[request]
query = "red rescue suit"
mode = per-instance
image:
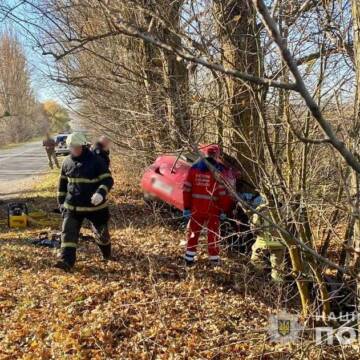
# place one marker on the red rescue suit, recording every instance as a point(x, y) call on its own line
point(205, 197)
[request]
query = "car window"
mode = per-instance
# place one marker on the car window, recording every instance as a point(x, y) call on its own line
point(60, 139)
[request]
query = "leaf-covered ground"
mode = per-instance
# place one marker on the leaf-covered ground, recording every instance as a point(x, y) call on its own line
point(143, 305)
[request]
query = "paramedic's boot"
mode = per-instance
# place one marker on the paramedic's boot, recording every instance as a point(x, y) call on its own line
point(215, 261)
point(188, 263)
point(189, 258)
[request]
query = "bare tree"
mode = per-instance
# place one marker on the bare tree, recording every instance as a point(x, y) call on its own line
point(16, 96)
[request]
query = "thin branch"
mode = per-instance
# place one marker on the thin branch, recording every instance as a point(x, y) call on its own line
point(273, 30)
point(130, 30)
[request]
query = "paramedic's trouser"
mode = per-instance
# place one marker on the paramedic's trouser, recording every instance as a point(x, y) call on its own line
point(52, 157)
point(71, 230)
point(259, 257)
point(197, 222)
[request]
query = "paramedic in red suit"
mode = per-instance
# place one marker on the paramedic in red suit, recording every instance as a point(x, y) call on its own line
point(204, 201)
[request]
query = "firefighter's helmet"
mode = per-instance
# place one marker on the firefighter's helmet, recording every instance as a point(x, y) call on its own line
point(76, 139)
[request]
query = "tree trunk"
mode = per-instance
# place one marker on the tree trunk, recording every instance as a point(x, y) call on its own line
point(153, 82)
point(167, 81)
point(176, 82)
point(240, 46)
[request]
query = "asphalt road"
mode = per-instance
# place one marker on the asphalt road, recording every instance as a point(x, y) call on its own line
point(20, 163)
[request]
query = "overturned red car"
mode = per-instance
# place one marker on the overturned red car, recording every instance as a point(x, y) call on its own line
point(164, 179)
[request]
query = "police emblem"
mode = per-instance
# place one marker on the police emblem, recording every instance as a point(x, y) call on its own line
point(284, 328)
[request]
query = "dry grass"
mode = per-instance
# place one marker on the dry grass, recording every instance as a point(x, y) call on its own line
point(144, 305)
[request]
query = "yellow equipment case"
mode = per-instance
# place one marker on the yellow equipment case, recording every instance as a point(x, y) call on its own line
point(17, 215)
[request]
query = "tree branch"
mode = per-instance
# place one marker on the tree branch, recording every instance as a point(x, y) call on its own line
point(130, 30)
point(273, 30)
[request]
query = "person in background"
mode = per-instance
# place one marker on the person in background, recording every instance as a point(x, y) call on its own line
point(84, 184)
point(253, 199)
point(102, 149)
point(204, 201)
point(268, 243)
point(49, 144)
point(244, 238)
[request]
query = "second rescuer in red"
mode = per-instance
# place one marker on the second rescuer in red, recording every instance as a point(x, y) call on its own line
point(204, 201)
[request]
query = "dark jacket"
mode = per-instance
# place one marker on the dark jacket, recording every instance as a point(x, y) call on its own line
point(104, 154)
point(49, 144)
point(80, 178)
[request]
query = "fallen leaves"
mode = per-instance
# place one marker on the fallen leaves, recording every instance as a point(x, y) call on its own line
point(144, 305)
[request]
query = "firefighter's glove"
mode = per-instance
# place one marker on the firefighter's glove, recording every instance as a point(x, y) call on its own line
point(223, 217)
point(61, 209)
point(187, 214)
point(97, 199)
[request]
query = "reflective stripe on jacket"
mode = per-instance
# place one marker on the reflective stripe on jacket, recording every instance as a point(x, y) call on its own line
point(202, 193)
point(82, 177)
point(265, 242)
point(267, 236)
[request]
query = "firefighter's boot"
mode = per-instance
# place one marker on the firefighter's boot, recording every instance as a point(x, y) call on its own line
point(106, 252)
point(67, 259)
point(62, 265)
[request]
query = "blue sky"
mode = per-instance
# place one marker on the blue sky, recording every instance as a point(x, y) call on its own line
point(44, 88)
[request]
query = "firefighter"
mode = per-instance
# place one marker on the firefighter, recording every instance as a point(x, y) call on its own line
point(49, 144)
point(267, 244)
point(84, 184)
point(204, 201)
point(102, 149)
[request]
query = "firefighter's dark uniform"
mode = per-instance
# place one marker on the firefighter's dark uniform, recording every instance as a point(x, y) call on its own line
point(80, 178)
point(98, 149)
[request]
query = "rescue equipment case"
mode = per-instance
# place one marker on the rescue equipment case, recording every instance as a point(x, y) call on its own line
point(17, 215)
